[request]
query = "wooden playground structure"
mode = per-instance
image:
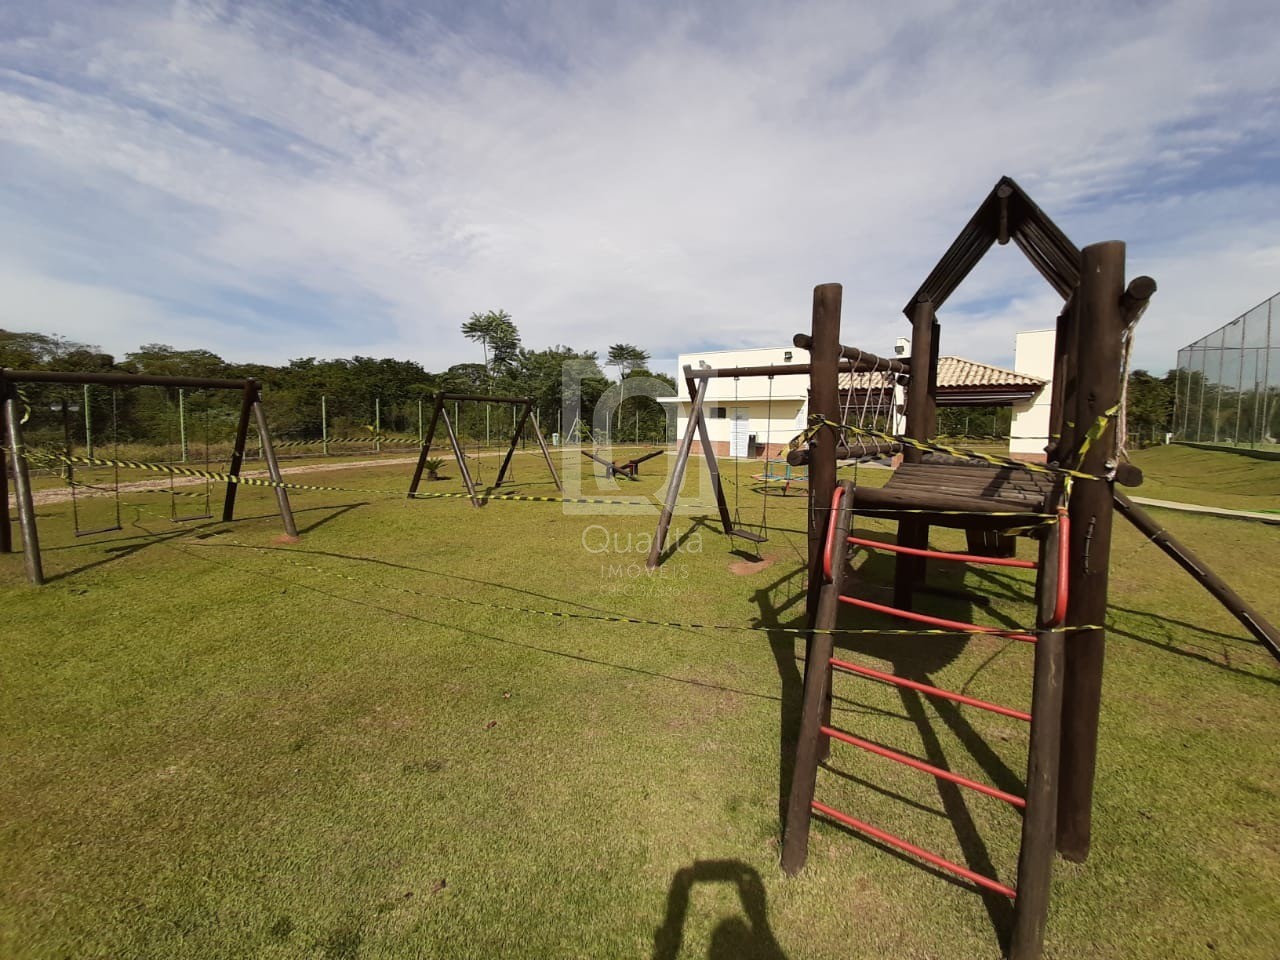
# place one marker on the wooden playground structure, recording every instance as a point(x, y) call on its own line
point(696, 381)
point(1066, 506)
point(524, 417)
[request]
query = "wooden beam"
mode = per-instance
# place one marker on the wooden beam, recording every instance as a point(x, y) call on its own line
point(677, 473)
point(824, 401)
point(1258, 625)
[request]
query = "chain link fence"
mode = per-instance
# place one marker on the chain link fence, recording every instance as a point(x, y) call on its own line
point(1227, 389)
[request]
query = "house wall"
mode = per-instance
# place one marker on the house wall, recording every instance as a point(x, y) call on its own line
point(1033, 356)
point(773, 425)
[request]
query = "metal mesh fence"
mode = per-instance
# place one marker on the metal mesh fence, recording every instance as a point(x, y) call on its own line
point(1227, 388)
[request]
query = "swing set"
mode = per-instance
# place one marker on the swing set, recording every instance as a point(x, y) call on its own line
point(523, 417)
point(14, 412)
point(696, 382)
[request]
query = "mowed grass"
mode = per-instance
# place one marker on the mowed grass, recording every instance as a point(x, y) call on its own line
point(217, 745)
point(1210, 477)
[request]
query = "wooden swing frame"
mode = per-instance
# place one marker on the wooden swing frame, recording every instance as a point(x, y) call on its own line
point(251, 407)
point(439, 413)
point(696, 381)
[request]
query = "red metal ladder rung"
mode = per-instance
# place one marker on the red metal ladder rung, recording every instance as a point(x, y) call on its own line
point(1012, 799)
point(944, 554)
point(911, 848)
point(926, 689)
point(936, 621)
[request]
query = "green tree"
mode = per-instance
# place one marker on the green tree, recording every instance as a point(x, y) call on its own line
point(628, 358)
point(497, 336)
point(1148, 405)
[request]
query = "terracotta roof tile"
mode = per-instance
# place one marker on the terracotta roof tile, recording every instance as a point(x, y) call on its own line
point(954, 373)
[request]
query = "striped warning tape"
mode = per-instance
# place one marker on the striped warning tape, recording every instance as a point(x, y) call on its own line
point(37, 456)
point(615, 618)
point(405, 441)
point(529, 498)
point(817, 422)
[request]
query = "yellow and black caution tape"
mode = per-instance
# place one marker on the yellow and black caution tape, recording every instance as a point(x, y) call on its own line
point(529, 498)
point(166, 468)
point(643, 621)
point(818, 422)
point(405, 441)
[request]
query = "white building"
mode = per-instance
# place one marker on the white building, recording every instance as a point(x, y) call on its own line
point(748, 415)
point(1029, 432)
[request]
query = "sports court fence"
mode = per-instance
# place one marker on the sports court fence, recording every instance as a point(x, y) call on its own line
point(1227, 388)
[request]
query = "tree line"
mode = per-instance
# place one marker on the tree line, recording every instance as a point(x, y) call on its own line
point(357, 395)
point(363, 392)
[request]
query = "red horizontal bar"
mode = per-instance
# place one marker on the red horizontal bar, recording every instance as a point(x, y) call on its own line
point(912, 849)
point(932, 691)
point(936, 621)
point(1009, 798)
point(944, 555)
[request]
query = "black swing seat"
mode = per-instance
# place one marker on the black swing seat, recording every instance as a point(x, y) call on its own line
point(748, 535)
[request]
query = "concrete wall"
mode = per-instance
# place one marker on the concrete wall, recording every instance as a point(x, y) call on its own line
point(1033, 356)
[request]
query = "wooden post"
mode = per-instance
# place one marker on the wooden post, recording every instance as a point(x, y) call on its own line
point(426, 446)
point(546, 454)
point(237, 450)
point(22, 488)
point(710, 461)
point(1063, 397)
point(1100, 325)
point(698, 395)
point(811, 744)
point(921, 416)
point(515, 438)
point(461, 458)
point(273, 466)
point(1035, 858)
point(824, 401)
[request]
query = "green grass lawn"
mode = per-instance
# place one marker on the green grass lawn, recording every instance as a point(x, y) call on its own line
point(221, 746)
point(1210, 477)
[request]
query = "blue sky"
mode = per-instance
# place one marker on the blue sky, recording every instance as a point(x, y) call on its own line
point(274, 181)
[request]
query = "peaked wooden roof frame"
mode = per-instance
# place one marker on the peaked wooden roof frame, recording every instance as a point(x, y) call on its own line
point(1006, 214)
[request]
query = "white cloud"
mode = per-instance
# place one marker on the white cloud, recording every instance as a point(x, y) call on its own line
point(656, 177)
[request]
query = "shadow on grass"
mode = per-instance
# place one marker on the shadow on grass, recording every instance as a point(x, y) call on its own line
point(121, 548)
point(740, 937)
point(418, 618)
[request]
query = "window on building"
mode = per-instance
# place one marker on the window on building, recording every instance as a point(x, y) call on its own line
point(719, 413)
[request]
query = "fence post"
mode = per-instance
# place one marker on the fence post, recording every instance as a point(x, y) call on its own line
point(88, 424)
point(324, 425)
point(182, 423)
point(377, 424)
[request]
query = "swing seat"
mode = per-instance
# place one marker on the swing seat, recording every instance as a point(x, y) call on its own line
point(94, 533)
point(748, 535)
